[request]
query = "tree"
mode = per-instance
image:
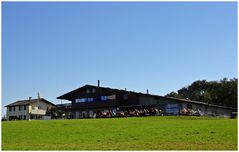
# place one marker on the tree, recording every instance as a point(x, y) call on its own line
point(4, 118)
point(223, 92)
point(54, 113)
point(175, 95)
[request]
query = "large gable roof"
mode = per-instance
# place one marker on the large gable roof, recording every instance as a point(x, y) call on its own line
point(71, 93)
point(27, 102)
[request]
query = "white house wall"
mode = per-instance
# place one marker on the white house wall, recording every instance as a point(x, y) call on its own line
point(34, 108)
point(17, 112)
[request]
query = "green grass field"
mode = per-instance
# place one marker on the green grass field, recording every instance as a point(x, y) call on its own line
point(143, 133)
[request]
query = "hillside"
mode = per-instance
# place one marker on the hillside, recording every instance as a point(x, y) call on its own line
point(144, 133)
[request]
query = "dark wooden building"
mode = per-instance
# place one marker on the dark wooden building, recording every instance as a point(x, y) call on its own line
point(87, 100)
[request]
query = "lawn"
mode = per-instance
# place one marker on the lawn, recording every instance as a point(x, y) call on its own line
point(142, 133)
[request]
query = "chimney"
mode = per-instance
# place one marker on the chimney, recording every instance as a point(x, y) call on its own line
point(125, 89)
point(98, 83)
point(30, 98)
point(147, 91)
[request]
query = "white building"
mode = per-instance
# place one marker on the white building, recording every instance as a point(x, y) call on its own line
point(28, 109)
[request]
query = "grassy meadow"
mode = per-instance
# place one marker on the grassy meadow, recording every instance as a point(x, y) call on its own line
point(142, 133)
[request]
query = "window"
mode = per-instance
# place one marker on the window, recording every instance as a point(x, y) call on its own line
point(20, 108)
point(103, 98)
point(84, 100)
point(14, 108)
point(87, 91)
point(25, 107)
point(90, 99)
point(112, 97)
point(10, 108)
point(81, 100)
point(20, 117)
point(24, 117)
point(39, 107)
point(93, 90)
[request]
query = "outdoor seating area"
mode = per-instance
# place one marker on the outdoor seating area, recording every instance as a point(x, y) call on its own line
point(129, 113)
point(191, 112)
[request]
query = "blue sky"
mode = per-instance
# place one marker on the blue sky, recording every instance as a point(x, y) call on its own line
point(54, 48)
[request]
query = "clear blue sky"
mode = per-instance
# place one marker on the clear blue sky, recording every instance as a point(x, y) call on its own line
point(54, 48)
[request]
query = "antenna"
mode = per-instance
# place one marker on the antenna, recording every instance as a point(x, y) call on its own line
point(38, 95)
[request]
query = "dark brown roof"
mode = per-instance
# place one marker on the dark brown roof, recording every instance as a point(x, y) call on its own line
point(139, 93)
point(27, 102)
point(87, 85)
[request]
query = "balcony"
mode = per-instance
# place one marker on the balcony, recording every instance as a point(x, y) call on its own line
point(99, 104)
point(38, 111)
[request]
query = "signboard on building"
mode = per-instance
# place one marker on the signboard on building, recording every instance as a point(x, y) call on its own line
point(172, 108)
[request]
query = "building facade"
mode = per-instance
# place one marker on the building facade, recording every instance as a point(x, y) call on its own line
point(88, 100)
point(28, 109)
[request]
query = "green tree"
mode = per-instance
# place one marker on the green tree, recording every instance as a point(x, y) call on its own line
point(54, 113)
point(223, 92)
